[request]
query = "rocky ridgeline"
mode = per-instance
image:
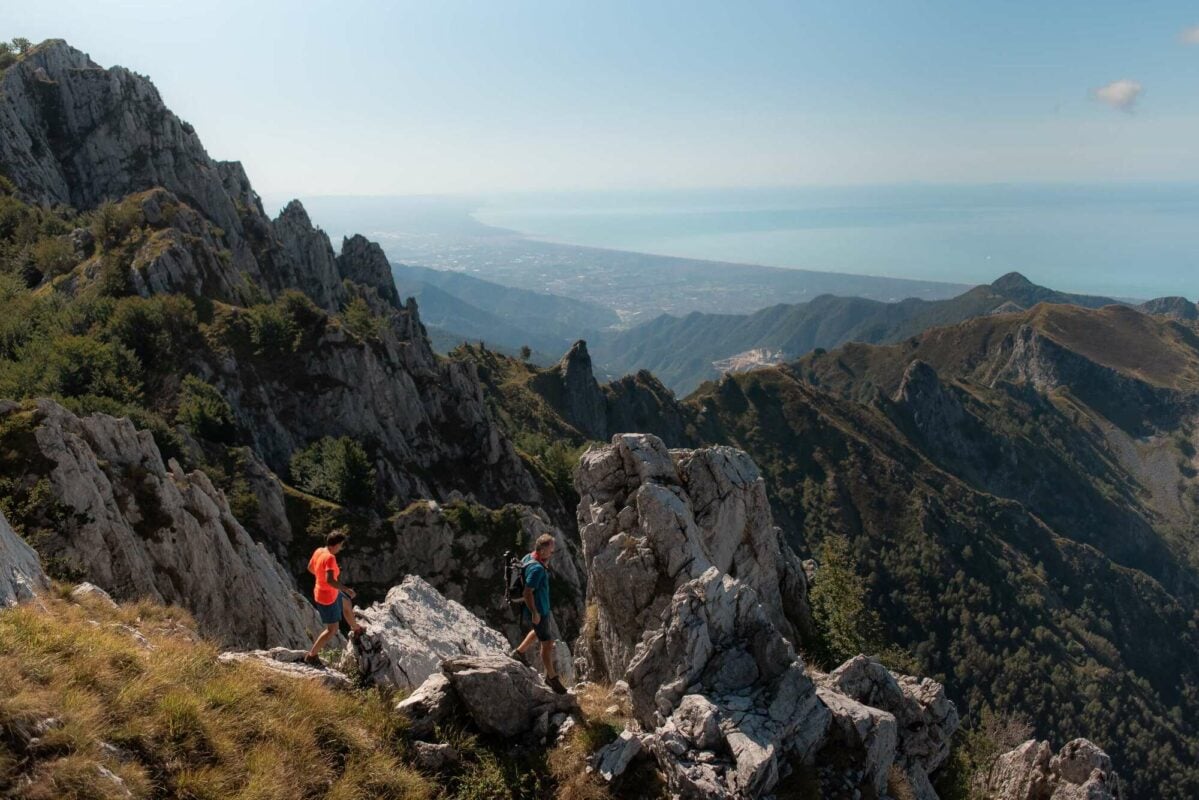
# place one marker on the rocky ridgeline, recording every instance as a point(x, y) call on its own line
point(74, 133)
point(140, 528)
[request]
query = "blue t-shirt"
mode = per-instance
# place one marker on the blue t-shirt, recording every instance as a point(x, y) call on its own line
point(537, 578)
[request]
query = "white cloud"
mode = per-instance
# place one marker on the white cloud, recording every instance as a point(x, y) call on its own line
point(1120, 95)
point(1190, 35)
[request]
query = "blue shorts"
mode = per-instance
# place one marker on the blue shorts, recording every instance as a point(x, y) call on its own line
point(542, 628)
point(330, 614)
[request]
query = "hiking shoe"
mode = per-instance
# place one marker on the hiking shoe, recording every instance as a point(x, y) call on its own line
point(313, 661)
point(516, 655)
point(556, 684)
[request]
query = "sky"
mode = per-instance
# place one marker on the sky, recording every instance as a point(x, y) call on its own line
point(359, 98)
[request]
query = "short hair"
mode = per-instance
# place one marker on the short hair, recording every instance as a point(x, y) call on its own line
point(543, 540)
point(336, 537)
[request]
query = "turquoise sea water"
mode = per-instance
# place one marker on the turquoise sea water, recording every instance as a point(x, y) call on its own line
point(1129, 241)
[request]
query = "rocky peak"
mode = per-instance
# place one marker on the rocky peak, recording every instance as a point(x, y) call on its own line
point(570, 387)
point(306, 262)
point(1178, 308)
point(74, 133)
point(363, 262)
point(932, 406)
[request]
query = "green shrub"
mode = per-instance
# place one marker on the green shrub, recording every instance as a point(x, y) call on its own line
point(53, 256)
point(335, 469)
point(204, 412)
point(80, 365)
point(155, 329)
point(272, 330)
point(112, 223)
point(361, 321)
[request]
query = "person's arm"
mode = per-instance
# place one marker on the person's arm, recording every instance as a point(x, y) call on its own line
point(329, 579)
point(532, 605)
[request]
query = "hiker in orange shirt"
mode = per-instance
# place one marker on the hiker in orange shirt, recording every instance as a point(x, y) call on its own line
point(332, 598)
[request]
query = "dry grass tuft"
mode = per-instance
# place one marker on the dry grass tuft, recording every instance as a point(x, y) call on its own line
point(92, 712)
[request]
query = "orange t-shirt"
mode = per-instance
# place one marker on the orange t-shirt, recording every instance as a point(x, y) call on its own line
point(319, 565)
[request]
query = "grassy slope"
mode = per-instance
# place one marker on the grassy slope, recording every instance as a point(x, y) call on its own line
point(133, 691)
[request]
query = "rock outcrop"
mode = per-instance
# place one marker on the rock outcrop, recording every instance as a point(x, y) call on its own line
point(364, 262)
point(570, 387)
point(288, 663)
point(1080, 771)
point(696, 603)
point(926, 719)
point(21, 575)
point(138, 529)
point(497, 695)
point(651, 520)
point(412, 632)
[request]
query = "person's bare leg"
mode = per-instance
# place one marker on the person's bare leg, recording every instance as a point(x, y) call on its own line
point(328, 633)
point(347, 611)
point(527, 643)
point(547, 658)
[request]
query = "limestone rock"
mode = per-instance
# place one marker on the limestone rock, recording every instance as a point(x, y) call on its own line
point(867, 733)
point(695, 605)
point(651, 519)
point(499, 696)
point(411, 632)
point(138, 530)
point(1080, 771)
point(435, 757)
point(289, 663)
point(612, 760)
point(21, 575)
point(926, 718)
point(90, 592)
point(433, 704)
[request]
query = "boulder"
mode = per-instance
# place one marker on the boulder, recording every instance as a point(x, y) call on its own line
point(867, 735)
point(501, 696)
point(432, 705)
point(497, 695)
point(91, 593)
point(435, 757)
point(21, 575)
point(926, 717)
point(289, 663)
point(412, 632)
point(613, 759)
point(1080, 771)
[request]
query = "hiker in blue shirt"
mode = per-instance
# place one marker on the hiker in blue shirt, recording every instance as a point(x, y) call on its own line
point(536, 609)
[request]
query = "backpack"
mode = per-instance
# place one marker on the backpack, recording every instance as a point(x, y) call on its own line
point(514, 580)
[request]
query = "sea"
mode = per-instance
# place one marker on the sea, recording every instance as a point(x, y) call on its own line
point(1129, 241)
